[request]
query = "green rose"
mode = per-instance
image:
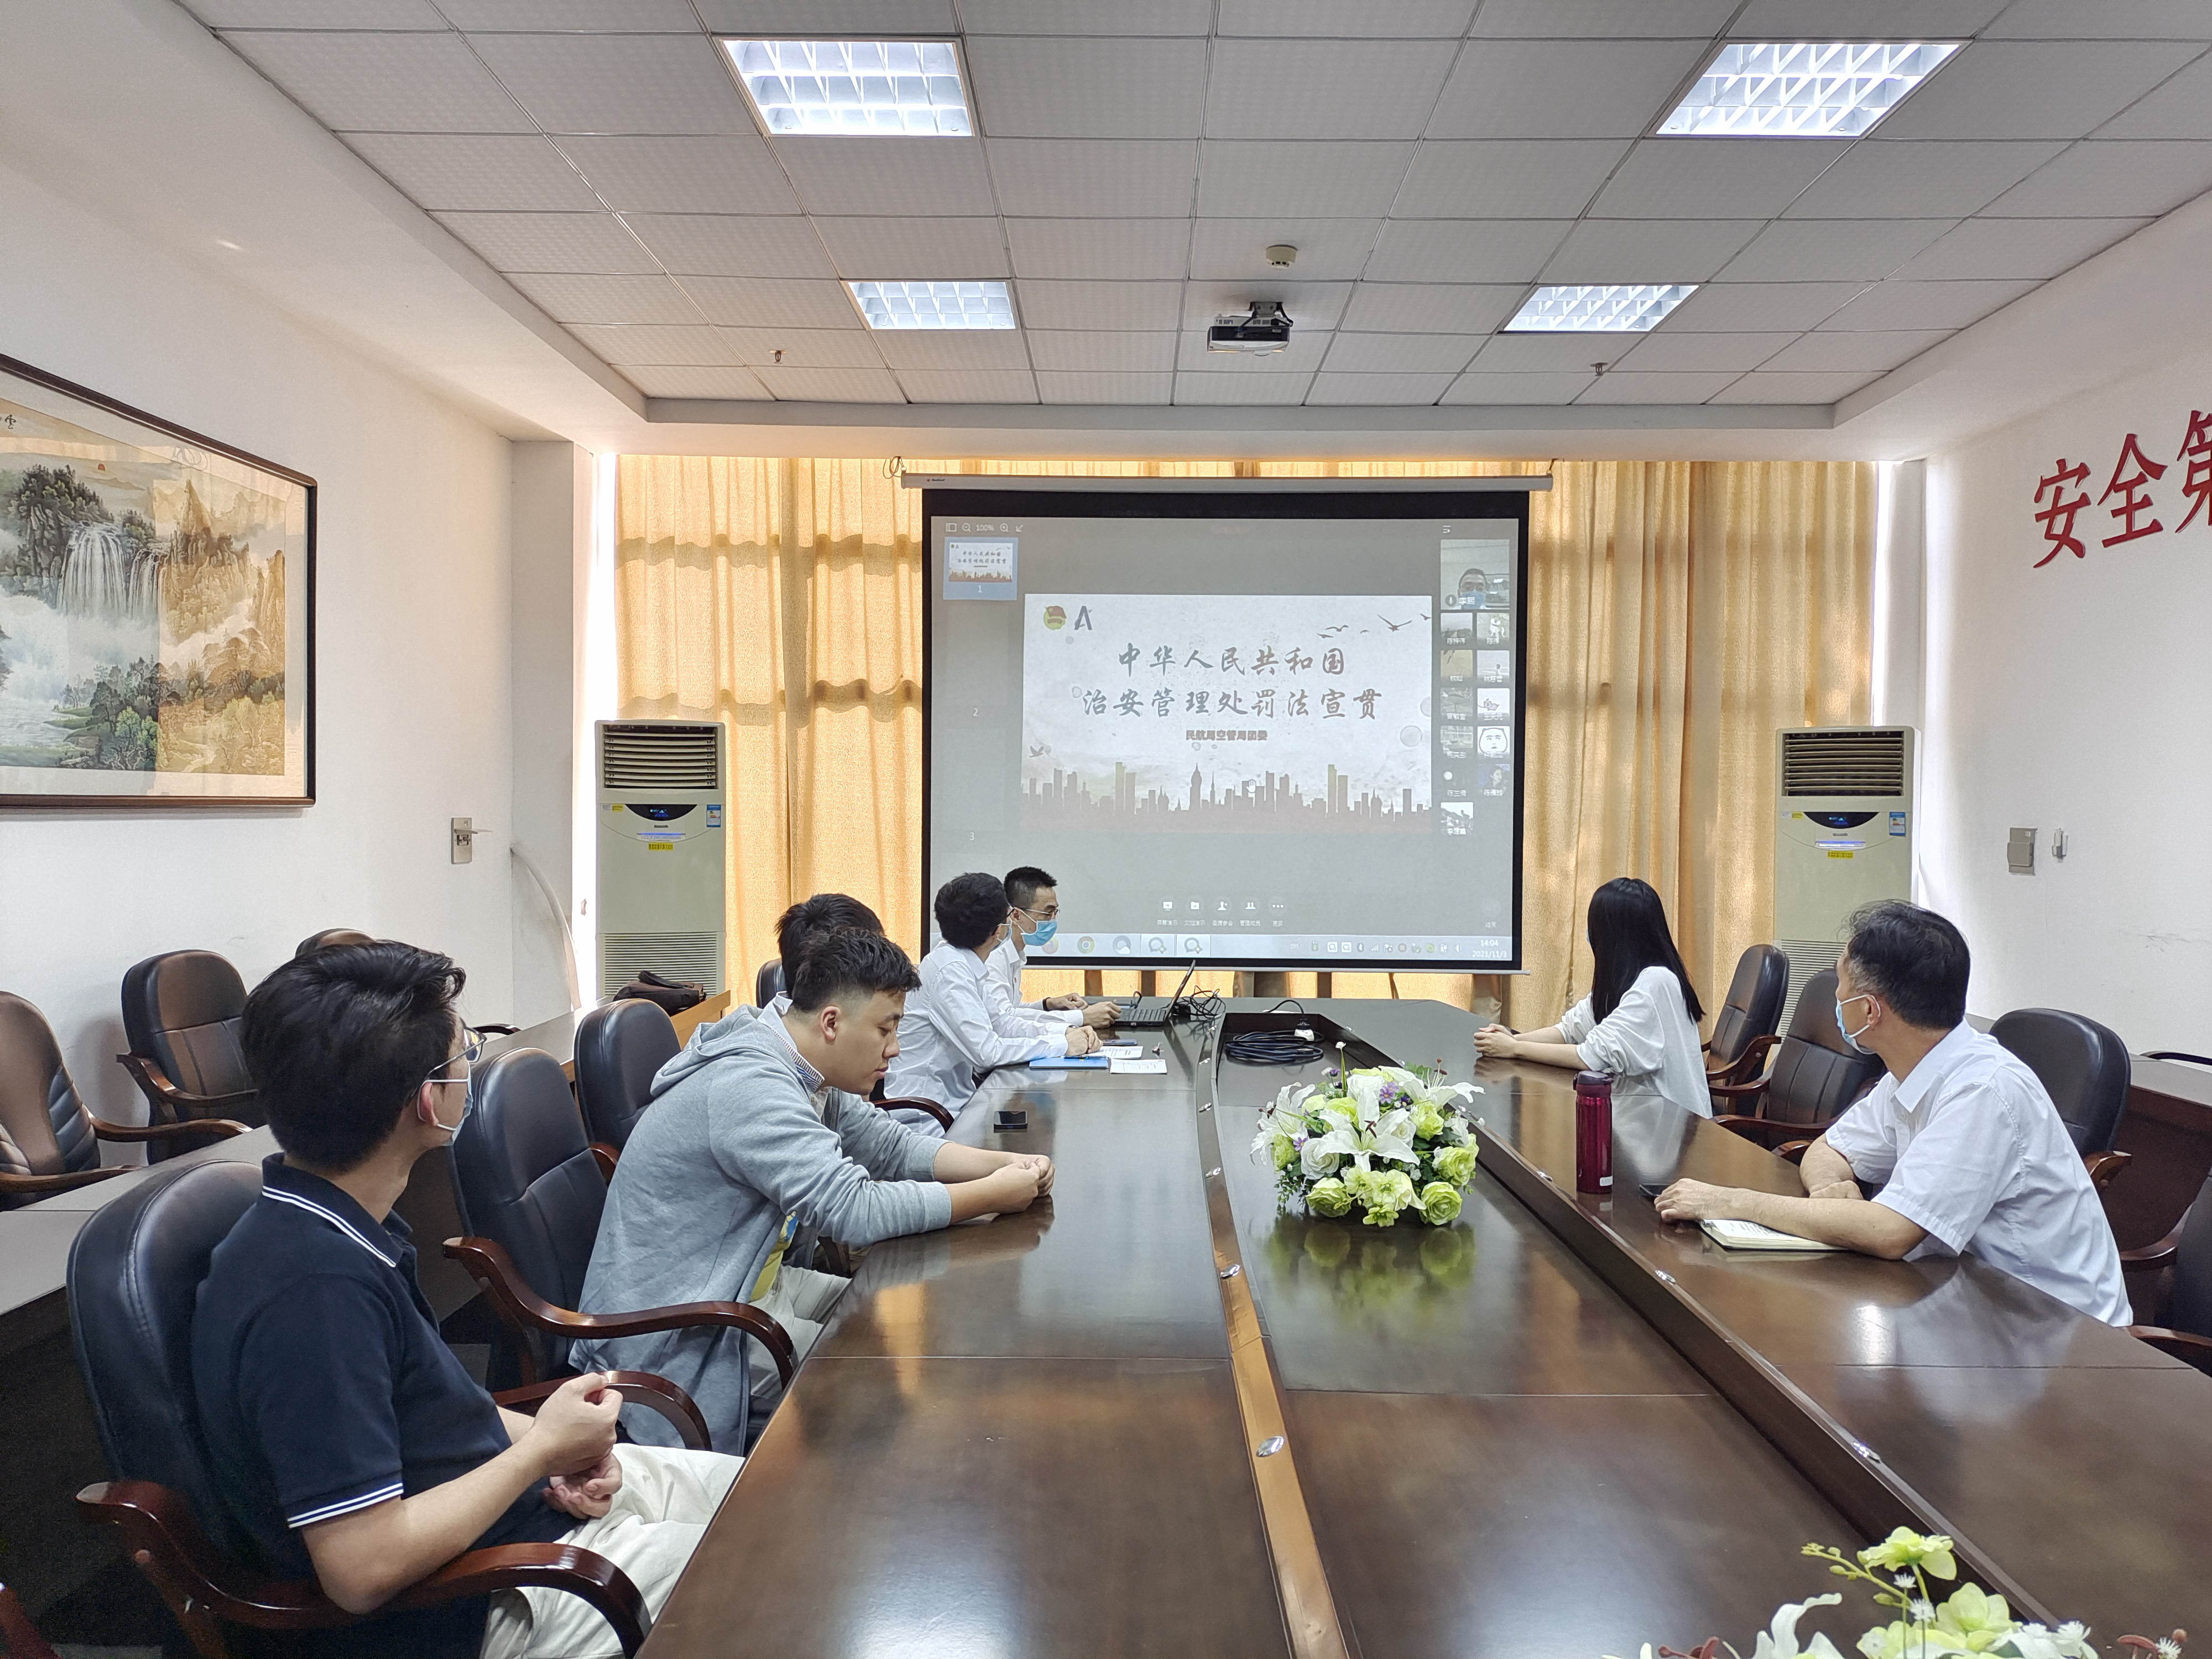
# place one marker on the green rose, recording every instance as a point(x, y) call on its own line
point(1428, 1121)
point(1439, 1203)
point(1455, 1164)
point(1330, 1197)
point(1284, 1151)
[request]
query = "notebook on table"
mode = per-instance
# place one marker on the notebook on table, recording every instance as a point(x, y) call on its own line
point(1750, 1236)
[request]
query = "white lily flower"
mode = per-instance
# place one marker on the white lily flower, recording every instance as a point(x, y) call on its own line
point(1779, 1639)
point(1285, 1117)
point(1365, 1092)
point(1388, 1135)
point(2068, 1641)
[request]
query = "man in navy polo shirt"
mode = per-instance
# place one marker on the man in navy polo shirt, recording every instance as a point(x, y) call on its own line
point(348, 1441)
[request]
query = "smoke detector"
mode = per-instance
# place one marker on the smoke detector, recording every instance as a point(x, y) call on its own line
point(1262, 330)
point(1282, 256)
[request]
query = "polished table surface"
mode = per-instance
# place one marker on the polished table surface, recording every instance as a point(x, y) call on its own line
point(1035, 1436)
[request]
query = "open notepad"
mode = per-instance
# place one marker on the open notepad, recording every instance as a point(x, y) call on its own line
point(1750, 1236)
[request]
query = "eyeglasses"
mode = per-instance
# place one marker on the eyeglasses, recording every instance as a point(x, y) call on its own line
point(468, 1058)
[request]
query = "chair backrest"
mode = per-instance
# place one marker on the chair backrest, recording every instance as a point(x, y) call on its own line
point(181, 1010)
point(44, 1128)
point(524, 1173)
point(1816, 1073)
point(1752, 1007)
point(2083, 1066)
point(768, 983)
point(2189, 1299)
point(134, 1280)
point(331, 936)
point(619, 1045)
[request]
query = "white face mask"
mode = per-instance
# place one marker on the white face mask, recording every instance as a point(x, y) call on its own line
point(1850, 1038)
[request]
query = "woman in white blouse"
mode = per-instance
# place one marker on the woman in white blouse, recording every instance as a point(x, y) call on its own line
point(1640, 1019)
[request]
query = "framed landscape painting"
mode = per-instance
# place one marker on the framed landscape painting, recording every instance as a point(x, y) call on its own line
point(157, 607)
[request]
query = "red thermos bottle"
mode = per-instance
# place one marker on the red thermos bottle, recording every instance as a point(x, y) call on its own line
point(1593, 1132)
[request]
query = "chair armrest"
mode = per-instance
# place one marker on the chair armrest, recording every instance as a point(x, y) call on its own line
point(488, 1264)
point(1791, 1152)
point(34, 1186)
point(655, 1394)
point(206, 1129)
point(929, 1106)
point(1749, 1091)
point(1769, 1131)
point(158, 1089)
point(24, 1641)
point(201, 1587)
point(2185, 1346)
point(1746, 1065)
point(2103, 1166)
point(606, 1158)
point(2150, 1258)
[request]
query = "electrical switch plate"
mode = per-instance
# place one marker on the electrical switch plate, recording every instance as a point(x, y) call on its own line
point(465, 841)
point(2020, 852)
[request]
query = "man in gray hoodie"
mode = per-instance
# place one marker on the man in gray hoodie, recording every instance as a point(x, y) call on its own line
point(759, 1132)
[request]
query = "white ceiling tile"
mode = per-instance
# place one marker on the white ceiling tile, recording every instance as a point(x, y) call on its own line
point(1790, 388)
point(316, 14)
point(1465, 250)
point(832, 385)
point(2017, 247)
point(1240, 179)
point(1095, 178)
point(1647, 250)
point(974, 385)
point(1888, 305)
point(1432, 18)
point(1651, 20)
point(1329, 250)
point(621, 345)
point(1069, 350)
point(2136, 176)
point(598, 16)
point(1208, 387)
point(2035, 89)
point(588, 244)
point(1155, 307)
point(1309, 306)
point(1510, 390)
point(881, 19)
point(763, 302)
point(1864, 20)
point(1869, 353)
point(682, 175)
point(1126, 249)
point(1831, 250)
point(804, 348)
point(724, 245)
point(1506, 177)
point(1400, 354)
point(1400, 390)
point(1323, 88)
point(1161, 17)
point(716, 383)
point(1104, 387)
point(1561, 89)
point(607, 299)
point(972, 350)
point(2182, 108)
point(1931, 179)
point(914, 250)
point(1307, 348)
point(485, 171)
point(1620, 386)
point(2129, 20)
point(1432, 308)
point(917, 176)
point(383, 82)
point(1550, 353)
point(1715, 177)
point(1663, 351)
point(618, 83)
point(1745, 307)
point(1042, 88)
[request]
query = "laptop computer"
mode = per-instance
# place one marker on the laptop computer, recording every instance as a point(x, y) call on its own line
point(1140, 1011)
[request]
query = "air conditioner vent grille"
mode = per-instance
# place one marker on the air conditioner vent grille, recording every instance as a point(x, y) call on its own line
point(1822, 763)
point(647, 758)
point(694, 959)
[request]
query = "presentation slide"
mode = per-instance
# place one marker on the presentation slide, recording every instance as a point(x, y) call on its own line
point(1255, 730)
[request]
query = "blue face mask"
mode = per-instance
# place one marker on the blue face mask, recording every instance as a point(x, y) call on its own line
point(1045, 930)
point(1850, 1038)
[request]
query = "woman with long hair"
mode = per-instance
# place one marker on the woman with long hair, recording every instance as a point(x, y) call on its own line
point(1640, 1020)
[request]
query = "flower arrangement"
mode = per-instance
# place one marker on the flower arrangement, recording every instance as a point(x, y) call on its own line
point(1392, 1141)
point(1969, 1620)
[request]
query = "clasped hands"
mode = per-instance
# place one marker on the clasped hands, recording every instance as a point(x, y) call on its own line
point(1497, 1042)
point(574, 1432)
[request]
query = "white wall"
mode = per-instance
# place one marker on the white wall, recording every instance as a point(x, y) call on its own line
point(2076, 697)
point(412, 639)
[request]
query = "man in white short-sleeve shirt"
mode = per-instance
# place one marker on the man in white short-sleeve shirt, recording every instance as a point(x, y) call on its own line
point(1034, 920)
point(1970, 1155)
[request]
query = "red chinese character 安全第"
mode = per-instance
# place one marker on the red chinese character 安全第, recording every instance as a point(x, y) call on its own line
point(2135, 499)
point(2196, 482)
point(2057, 519)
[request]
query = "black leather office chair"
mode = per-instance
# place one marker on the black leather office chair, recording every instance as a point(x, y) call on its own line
point(767, 982)
point(48, 1142)
point(2184, 1329)
point(619, 1045)
point(331, 936)
point(134, 1278)
point(530, 1194)
point(1816, 1075)
point(2084, 1067)
point(1744, 1029)
point(181, 1014)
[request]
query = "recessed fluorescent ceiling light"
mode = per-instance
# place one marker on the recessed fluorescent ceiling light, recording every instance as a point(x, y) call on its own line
point(1616, 309)
point(1804, 89)
point(935, 305)
point(855, 88)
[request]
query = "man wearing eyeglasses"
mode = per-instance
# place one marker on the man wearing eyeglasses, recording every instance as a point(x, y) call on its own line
point(1034, 919)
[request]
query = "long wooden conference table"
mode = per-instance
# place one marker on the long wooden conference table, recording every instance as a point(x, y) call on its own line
point(1155, 1415)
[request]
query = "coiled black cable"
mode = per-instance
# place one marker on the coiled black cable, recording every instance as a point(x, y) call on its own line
point(1271, 1049)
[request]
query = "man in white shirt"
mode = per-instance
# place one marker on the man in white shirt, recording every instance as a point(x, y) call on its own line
point(947, 1037)
point(1034, 898)
point(1971, 1155)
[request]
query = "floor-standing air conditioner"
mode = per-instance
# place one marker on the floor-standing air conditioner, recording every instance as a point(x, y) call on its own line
point(662, 868)
point(1843, 837)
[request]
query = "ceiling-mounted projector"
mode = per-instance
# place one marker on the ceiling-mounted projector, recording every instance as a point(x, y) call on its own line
point(1261, 330)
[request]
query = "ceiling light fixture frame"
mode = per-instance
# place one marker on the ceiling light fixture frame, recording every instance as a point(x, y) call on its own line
point(725, 45)
point(1672, 105)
